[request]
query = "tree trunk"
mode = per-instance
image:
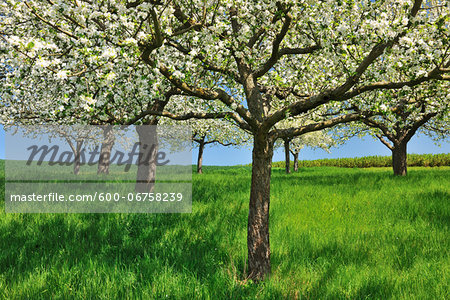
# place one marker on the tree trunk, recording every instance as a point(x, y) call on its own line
point(76, 166)
point(77, 158)
point(201, 146)
point(399, 162)
point(105, 151)
point(148, 148)
point(286, 156)
point(295, 162)
point(258, 217)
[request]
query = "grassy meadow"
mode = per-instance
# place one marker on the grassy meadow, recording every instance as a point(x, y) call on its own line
point(336, 233)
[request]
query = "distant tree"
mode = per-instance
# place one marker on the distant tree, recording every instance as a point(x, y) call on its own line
point(78, 137)
point(207, 131)
point(317, 139)
point(423, 109)
point(105, 150)
point(216, 132)
point(293, 145)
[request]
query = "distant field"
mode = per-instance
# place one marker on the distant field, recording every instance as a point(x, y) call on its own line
point(335, 233)
point(414, 160)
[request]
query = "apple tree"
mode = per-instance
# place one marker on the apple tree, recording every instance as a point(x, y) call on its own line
point(264, 61)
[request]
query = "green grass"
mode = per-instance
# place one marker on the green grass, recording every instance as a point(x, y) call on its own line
point(335, 233)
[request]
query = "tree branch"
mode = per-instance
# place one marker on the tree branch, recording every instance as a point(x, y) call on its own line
point(207, 64)
point(33, 11)
point(187, 116)
point(316, 100)
point(157, 41)
point(276, 52)
point(435, 74)
point(376, 52)
point(410, 133)
point(292, 132)
point(386, 143)
point(285, 51)
point(387, 133)
point(208, 94)
point(221, 143)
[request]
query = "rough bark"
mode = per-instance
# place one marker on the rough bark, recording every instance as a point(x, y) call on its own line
point(258, 218)
point(201, 146)
point(399, 162)
point(77, 158)
point(105, 151)
point(295, 162)
point(148, 148)
point(286, 156)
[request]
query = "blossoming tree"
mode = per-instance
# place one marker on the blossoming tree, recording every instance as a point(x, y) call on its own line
point(293, 145)
point(315, 139)
point(264, 61)
point(47, 79)
point(77, 138)
point(207, 131)
point(423, 109)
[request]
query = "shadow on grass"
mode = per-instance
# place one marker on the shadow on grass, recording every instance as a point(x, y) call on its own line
point(436, 208)
point(145, 244)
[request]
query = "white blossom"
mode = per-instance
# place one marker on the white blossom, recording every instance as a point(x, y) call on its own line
point(62, 74)
point(109, 53)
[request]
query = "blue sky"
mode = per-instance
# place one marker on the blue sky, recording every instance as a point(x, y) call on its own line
point(355, 147)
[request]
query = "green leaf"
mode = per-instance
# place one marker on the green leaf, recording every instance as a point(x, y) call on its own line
point(29, 46)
